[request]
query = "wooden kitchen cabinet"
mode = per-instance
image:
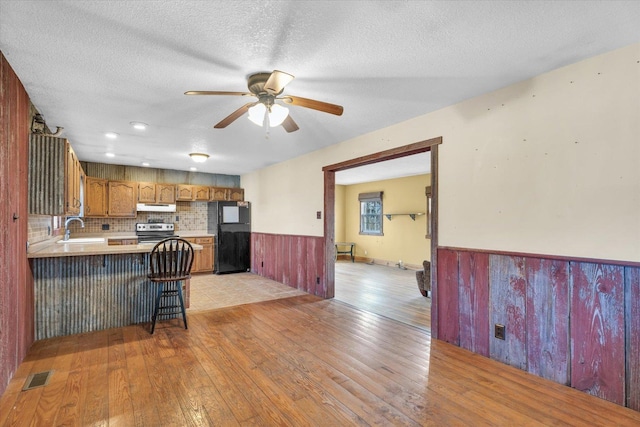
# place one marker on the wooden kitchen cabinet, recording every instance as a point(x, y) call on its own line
point(218, 194)
point(55, 174)
point(146, 192)
point(95, 197)
point(236, 194)
point(165, 193)
point(151, 192)
point(202, 260)
point(122, 196)
point(200, 193)
point(184, 192)
point(73, 176)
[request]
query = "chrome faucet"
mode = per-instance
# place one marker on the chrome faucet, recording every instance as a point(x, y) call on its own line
point(67, 232)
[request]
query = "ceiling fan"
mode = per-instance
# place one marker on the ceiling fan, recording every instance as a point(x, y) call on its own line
point(268, 87)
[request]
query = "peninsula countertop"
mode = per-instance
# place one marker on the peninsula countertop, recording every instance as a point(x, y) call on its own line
point(51, 248)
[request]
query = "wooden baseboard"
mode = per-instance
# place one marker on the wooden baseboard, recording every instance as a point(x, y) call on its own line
point(376, 261)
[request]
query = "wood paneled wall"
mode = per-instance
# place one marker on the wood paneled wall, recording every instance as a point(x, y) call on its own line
point(574, 322)
point(296, 261)
point(16, 283)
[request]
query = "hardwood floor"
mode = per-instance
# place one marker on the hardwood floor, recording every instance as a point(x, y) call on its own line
point(387, 291)
point(294, 361)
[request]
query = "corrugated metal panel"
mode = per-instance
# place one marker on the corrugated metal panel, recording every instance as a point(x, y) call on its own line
point(168, 176)
point(90, 293)
point(47, 155)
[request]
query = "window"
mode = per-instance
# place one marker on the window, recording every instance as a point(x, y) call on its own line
point(371, 213)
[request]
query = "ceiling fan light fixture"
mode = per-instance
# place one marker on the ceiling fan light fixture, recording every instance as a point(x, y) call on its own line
point(199, 157)
point(277, 114)
point(256, 113)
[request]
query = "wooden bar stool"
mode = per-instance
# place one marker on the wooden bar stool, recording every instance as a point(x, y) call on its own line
point(170, 263)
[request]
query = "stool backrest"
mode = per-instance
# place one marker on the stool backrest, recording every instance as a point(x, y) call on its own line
point(171, 259)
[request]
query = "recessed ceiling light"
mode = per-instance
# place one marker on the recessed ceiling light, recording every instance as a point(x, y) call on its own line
point(111, 135)
point(145, 164)
point(139, 125)
point(199, 157)
point(109, 154)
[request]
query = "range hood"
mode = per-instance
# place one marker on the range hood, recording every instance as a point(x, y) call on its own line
point(155, 207)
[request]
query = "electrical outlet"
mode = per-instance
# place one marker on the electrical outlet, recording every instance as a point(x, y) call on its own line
point(105, 227)
point(177, 218)
point(499, 331)
point(319, 215)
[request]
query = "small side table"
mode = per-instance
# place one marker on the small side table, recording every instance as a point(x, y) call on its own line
point(344, 245)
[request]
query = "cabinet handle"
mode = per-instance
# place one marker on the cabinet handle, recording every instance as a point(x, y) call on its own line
point(15, 217)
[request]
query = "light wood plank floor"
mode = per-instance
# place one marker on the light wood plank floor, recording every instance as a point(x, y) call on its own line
point(298, 361)
point(387, 291)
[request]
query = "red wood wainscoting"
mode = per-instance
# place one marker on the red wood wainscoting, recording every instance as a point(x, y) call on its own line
point(573, 321)
point(296, 261)
point(16, 283)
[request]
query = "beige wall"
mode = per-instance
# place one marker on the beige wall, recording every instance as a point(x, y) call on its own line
point(340, 214)
point(550, 165)
point(403, 238)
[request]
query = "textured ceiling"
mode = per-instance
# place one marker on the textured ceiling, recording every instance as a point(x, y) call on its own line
point(95, 66)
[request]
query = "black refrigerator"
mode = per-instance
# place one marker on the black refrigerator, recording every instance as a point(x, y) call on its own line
point(231, 223)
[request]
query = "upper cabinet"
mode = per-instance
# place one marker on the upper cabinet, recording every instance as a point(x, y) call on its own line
point(146, 192)
point(123, 196)
point(55, 177)
point(224, 193)
point(150, 192)
point(165, 193)
point(95, 197)
point(200, 193)
point(184, 192)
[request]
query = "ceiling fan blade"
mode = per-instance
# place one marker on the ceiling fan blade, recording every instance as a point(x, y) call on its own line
point(216, 92)
point(277, 81)
point(289, 125)
point(325, 107)
point(234, 116)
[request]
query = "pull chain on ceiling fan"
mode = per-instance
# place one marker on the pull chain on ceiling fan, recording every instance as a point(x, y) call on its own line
point(268, 87)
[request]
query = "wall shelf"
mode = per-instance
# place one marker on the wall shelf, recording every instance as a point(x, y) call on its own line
point(412, 215)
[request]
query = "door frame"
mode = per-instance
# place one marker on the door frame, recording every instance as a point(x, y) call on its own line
point(329, 211)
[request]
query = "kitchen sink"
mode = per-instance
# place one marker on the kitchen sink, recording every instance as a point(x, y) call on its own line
point(83, 240)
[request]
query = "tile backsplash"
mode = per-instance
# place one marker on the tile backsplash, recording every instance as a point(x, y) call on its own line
point(192, 216)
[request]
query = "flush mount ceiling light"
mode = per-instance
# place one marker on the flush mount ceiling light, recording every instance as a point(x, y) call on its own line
point(145, 164)
point(199, 157)
point(109, 154)
point(139, 125)
point(111, 135)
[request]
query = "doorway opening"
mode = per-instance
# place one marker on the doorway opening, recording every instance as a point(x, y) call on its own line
point(330, 171)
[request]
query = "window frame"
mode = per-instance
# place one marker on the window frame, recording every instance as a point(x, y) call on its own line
point(375, 197)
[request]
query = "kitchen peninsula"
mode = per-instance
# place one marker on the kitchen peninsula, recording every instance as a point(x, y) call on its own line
point(83, 287)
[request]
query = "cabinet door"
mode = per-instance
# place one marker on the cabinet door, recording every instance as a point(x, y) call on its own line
point(146, 192)
point(184, 192)
point(95, 197)
point(165, 193)
point(236, 194)
point(123, 196)
point(218, 194)
point(195, 268)
point(206, 254)
point(201, 193)
point(73, 172)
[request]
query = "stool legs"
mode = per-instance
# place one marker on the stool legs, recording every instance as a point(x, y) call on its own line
point(173, 289)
